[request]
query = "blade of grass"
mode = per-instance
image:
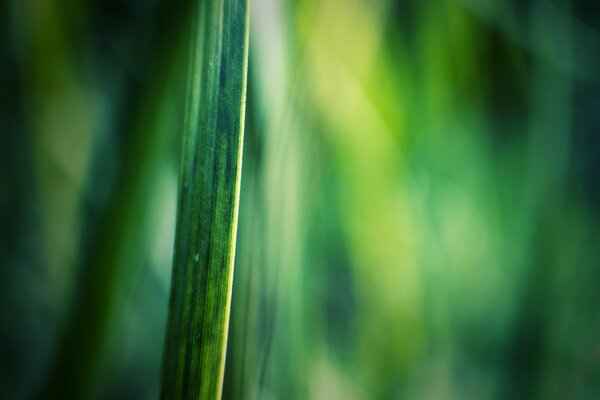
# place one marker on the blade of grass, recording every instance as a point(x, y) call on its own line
point(194, 357)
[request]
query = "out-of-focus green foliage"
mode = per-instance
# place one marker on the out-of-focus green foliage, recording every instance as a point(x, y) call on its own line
point(419, 206)
point(419, 203)
point(92, 104)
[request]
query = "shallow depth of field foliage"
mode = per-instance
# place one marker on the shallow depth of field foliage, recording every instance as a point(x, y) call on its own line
point(420, 200)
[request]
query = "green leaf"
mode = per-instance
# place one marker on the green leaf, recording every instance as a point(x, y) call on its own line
point(194, 356)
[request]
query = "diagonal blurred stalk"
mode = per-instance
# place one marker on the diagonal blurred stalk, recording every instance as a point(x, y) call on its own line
point(194, 357)
point(79, 352)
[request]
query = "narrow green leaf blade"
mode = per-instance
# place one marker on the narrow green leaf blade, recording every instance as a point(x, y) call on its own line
point(194, 356)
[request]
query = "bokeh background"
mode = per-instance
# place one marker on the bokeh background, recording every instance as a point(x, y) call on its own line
point(419, 213)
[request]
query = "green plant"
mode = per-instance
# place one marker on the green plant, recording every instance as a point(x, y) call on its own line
point(194, 355)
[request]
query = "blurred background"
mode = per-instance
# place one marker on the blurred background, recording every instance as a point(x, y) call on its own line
point(419, 214)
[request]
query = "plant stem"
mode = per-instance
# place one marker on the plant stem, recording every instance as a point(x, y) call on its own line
point(194, 357)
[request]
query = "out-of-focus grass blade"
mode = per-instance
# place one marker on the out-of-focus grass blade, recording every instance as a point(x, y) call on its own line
point(194, 357)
